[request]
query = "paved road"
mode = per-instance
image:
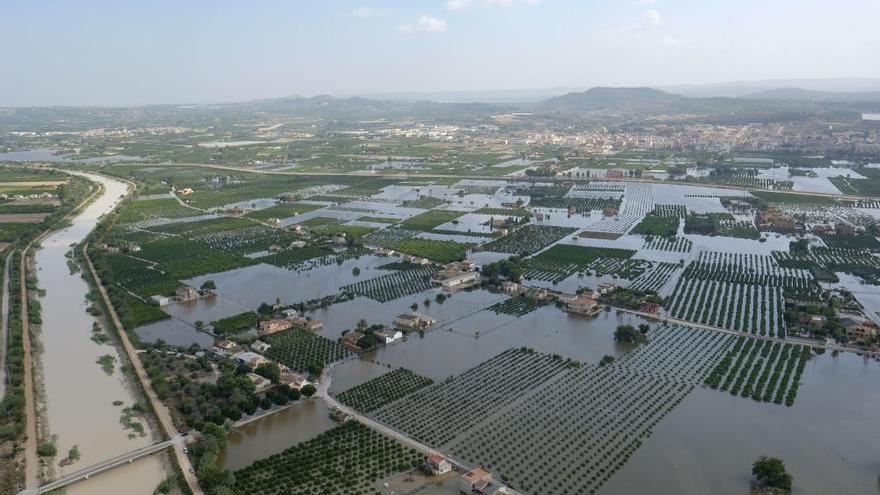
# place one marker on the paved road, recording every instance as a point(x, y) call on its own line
point(120, 460)
point(788, 340)
point(4, 325)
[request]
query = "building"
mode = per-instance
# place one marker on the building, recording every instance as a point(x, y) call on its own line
point(585, 304)
point(261, 384)
point(306, 323)
point(452, 279)
point(259, 346)
point(414, 321)
point(389, 335)
point(250, 358)
point(470, 479)
point(186, 293)
point(512, 288)
point(293, 380)
point(161, 300)
point(226, 347)
point(272, 326)
point(437, 464)
point(298, 244)
point(275, 248)
point(649, 307)
point(610, 212)
point(606, 287)
point(860, 332)
point(351, 338)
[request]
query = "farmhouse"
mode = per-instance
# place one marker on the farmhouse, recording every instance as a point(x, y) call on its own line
point(437, 464)
point(260, 383)
point(584, 305)
point(649, 307)
point(250, 358)
point(305, 323)
point(226, 347)
point(471, 478)
point(186, 293)
point(414, 321)
point(293, 380)
point(389, 335)
point(272, 326)
point(260, 346)
point(450, 279)
point(161, 300)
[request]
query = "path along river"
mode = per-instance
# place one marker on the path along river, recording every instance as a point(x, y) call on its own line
point(79, 396)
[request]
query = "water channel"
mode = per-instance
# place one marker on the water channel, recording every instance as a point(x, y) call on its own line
point(79, 396)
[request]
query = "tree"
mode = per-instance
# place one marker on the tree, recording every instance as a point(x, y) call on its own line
point(209, 285)
point(770, 472)
point(270, 371)
point(628, 333)
point(308, 390)
point(643, 328)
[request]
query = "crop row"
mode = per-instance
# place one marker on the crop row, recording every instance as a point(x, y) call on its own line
point(300, 349)
point(673, 244)
point(439, 413)
point(580, 204)
point(763, 370)
point(383, 390)
point(347, 459)
point(674, 210)
point(747, 269)
point(394, 285)
point(527, 240)
point(563, 260)
point(750, 308)
point(434, 250)
point(388, 237)
point(654, 278)
point(516, 306)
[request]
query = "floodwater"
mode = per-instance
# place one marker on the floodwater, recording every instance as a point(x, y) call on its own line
point(707, 444)
point(47, 155)
point(78, 393)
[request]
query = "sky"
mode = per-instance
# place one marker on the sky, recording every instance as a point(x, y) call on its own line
point(133, 52)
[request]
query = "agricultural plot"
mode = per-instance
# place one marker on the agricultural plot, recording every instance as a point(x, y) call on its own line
point(573, 436)
point(516, 306)
point(12, 231)
point(746, 180)
point(202, 227)
point(383, 390)
point(430, 219)
point(388, 237)
point(434, 250)
point(503, 212)
point(137, 276)
point(654, 278)
point(309, 257)
point(299, 349)
point(528, 240)
point(235, 323)
point(437, 414)
point(736, 291)
point(823, 262)
point(619, 267)
point(139, 210)
point(671, 244)
point(563, 260)
point(249, 239)
point(666, 211)
point(182, 259)
point(580, 204)
point(722, 224)
point(345, 460)
point(282, 210)
point(763, 370)
point(394, 285)
point(652, 225)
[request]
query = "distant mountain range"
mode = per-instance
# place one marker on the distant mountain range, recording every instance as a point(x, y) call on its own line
point(809, 95)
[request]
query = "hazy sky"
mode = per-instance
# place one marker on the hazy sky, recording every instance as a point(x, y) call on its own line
point(112, 52)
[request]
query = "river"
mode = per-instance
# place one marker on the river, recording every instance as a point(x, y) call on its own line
point(79, 396)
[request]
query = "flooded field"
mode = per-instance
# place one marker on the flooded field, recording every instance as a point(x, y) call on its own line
point(79, 394)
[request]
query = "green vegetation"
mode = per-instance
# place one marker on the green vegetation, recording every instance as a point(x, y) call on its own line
point(439, 251)
point(301, 350)
point(527, 240)
point(236, 323)
point(516, 306)
point(383, 390)
point(430, 219)
point(107, 363)
point(345, 460)
point(413, 279)
point(282, 210)
point(771, 473)
point(651, 225)
point(183, 259)
point(425, 202)
point(151, 209)
point(723, 224)
point(563, 260)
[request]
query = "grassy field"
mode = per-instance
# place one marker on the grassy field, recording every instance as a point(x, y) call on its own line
point(439, 251)
point(183, 259)
point(430, 219)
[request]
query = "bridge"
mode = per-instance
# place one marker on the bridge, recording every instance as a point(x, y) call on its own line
point(86, 473)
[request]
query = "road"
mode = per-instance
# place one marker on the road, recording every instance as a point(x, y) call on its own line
point(789, 340)
point(4, 324)
point(120, 460)
point(162, 413)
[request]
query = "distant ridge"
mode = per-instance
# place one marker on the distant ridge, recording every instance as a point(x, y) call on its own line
point(601, 98)
point(809, 95)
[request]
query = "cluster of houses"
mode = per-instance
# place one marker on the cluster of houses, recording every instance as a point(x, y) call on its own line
point(477, 481)
point(253, 357)
point(181, 295)
point(587, 304)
